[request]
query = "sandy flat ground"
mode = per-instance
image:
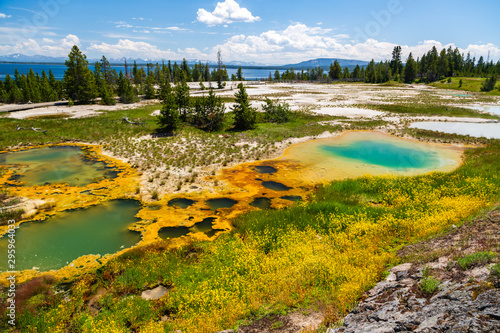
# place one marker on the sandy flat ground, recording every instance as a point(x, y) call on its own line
point(331, 99)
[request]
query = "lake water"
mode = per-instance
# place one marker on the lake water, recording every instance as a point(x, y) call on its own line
point(487, 130)
point(55, 165)
point(58, 70)
point(55, 242)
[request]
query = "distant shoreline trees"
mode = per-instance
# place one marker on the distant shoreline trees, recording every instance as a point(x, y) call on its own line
point(153, 80)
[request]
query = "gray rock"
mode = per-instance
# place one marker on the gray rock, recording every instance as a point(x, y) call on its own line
point(155, 293)
point(398, 307)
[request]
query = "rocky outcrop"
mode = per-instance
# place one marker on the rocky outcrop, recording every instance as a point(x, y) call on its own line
point(398, 305)
point(465, 300)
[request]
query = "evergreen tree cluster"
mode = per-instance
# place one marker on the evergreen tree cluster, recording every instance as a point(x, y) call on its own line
point(206, 112)
point(30, 87)
point(83, 85)
point(431, 67)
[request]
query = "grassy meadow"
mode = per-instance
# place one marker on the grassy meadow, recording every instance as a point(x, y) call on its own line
point(469, 84)
point(316, 255)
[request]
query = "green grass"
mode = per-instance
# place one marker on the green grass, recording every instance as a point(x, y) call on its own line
point(366, 124)
point(470, 84)
point(429, 284)
point(475, 259)
point(495, 271)
point(432, 110)
point(106, 126)
point(445, 137)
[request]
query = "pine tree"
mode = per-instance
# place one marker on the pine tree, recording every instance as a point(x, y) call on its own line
point(244, 115)
point(126, 92)
point(46, 91)
point(33, 86)
point(3, 93)
point(182, 100)
point(104, 89)
point(239, 74)
point(489, 84)
point(208, 112)
point(150, 91)
point(396, 64)
point(356, 73)
point(79, 80)
point(168, 121)
point(335, 71)
point(12, 91)
point(165, 89)
point(410, 71)
point(55, 85)
point(346, 74)
point(277, 75)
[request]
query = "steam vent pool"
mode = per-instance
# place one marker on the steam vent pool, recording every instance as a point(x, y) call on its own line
point(355, 154)
point(58, 240)
point(57, 164)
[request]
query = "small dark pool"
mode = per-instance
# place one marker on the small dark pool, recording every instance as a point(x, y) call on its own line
point(173, 232)
point(215, 204)
point(292, 197)
point(204, 226)
point(275, 186)
point(265, 169)
point(181, 202)
point(262, 203)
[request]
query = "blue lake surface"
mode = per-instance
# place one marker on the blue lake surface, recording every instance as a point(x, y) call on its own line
point(58, 70)
point(383, 154)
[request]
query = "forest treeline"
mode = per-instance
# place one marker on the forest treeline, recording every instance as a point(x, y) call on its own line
point(83, 85)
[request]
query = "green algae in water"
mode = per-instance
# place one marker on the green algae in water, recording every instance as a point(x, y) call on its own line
point(60, 164)
point(384, 154)
point(55, 242)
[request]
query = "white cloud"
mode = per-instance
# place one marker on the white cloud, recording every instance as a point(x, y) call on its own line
point(48, 47)
point(226, 12)
point(124, 25)
point(169, 28)
point(2, 15)
point(128, 48)
point(299, 42)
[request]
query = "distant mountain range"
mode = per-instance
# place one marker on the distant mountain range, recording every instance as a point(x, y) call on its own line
point(321, 62)
point(326, 62)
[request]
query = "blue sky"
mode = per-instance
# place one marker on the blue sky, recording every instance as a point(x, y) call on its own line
point(261, 31)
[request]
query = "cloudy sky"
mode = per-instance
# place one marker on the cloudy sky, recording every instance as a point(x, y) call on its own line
point(261, 31)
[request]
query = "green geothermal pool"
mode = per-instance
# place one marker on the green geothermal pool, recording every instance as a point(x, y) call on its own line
point(58, 240)
point(57, 164)
point(355, 154)
point(384, 154)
